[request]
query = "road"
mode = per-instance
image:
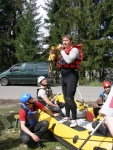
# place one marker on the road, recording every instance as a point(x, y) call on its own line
point(89, 94)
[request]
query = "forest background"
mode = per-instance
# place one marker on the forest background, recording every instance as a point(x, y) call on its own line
point(90, 22)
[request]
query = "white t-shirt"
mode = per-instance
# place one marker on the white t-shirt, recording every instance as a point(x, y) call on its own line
point(107, 108)
point(42, 93)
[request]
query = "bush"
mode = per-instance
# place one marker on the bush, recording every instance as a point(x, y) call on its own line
point(83, 81)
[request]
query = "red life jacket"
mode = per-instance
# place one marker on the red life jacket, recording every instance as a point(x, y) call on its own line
point(75, 64)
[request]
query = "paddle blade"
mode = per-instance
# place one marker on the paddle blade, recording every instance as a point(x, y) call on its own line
point(89, 116)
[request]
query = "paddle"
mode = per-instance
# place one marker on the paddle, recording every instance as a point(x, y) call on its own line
point(89, 115)
point(56, 95)
point(91, 134)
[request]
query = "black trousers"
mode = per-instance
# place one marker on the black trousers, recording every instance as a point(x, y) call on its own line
point(70, 79)
point(39, 128)
point(55, 109)
point(96, 110)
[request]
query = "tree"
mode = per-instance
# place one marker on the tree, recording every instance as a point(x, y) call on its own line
point(98, 46)
point(87, 21)
point(27, 44)
point(8, 17)
point(60, 19)
point(18, 32)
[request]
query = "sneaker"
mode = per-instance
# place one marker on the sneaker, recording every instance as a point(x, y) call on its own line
point(64, 120)
point(73, 123)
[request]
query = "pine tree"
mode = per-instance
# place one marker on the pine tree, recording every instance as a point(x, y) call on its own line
point(8, 18)
point(27, 44)
point(89, 21)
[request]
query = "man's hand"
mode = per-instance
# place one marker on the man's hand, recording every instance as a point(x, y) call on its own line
point(56, 105)
point(56, 114)
point(35, 137)
point(50, 112)
point(60, 47)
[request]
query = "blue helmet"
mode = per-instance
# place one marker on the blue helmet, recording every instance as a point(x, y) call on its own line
point(25, 97)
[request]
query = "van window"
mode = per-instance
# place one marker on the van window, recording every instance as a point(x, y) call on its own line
point(30, 67)
point(41, 68)
point(16, 68)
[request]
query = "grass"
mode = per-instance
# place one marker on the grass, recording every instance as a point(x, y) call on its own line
point(12, 141)
point(95, 83)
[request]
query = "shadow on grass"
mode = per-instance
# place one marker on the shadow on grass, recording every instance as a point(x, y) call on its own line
point(15, 142)
point(10, 143)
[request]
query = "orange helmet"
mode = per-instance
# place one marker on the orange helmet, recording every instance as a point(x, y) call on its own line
point(106, 84)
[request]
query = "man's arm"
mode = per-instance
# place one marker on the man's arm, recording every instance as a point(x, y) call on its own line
point(74, 53)
point(49, 102)
point(53, 99)
point(43, 95)
point(95, 105)
point(26, 130)
point(46, 109)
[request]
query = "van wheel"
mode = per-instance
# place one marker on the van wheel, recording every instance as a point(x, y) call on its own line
point(4, 81)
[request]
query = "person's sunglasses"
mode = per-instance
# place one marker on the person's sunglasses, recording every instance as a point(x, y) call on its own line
point(107, 87)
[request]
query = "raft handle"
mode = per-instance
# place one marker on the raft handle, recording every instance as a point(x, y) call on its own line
point(53, 126)
point(75, 139)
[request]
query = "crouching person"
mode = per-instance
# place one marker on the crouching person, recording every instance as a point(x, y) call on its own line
point(30, 128)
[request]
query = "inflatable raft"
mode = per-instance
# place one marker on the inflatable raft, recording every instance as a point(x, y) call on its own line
point(73, 138)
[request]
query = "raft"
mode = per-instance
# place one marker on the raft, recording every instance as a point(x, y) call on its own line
point(73, 138)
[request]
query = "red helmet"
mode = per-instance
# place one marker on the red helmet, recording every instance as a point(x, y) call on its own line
point(106, 84)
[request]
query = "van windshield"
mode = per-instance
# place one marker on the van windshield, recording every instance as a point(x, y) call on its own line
point(16, 68)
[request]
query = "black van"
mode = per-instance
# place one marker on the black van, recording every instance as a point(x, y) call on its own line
point(26, 73)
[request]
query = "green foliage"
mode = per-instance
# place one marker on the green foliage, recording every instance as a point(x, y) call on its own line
point(89, 22)
point(83, 81)
point(7, 32)
point(19, 32)
point(27, 44)
point(95, 83)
